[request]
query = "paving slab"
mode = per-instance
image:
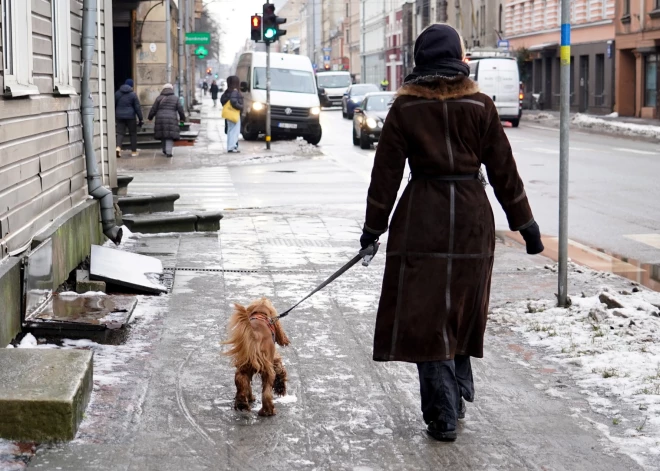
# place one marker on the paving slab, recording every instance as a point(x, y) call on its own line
point(134, 271)
point(43, 393)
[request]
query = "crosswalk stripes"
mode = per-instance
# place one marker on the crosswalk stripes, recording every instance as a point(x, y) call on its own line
point(205, 189)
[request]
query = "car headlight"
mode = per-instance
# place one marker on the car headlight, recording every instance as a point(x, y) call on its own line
point(372, 123)
point(355, 100)
point(315, 111)
point(257, 106)
point(380, 124)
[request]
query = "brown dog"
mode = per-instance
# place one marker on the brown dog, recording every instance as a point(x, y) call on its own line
point(253, 333)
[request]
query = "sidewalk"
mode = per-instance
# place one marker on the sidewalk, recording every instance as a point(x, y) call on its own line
point(648, 129)
point(210, 149)
point(163, 401)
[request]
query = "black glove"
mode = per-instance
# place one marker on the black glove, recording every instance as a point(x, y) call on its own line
point(367, 239)
point(532, 236)
point(140, 124)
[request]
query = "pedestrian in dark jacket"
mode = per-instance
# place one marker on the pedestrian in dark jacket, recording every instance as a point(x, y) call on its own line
point(205, 87)
point(234, 96)
point(214, 93)
point(435, 293)
point(127, 107)
point(165, 111)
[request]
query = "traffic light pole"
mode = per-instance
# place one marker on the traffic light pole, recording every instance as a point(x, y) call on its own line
point(268, 95)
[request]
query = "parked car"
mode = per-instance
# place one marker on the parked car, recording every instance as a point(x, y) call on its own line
point(354, 96)
point(369, 118)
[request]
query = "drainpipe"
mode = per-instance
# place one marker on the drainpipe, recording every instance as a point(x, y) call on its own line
point(168, 41)
point(181, 30)
point(94, 184)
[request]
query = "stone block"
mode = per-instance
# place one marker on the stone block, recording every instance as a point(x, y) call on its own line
point(10, 300)
point(90, 285)
point(73, 235)
point(43, 393)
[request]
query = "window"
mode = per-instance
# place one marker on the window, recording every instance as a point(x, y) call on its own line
point(285, 80)
point(61, 22)
point(651, 80)
point(17, 48)
point(545, 13)
point(483, 20)
point(499, 21)
point(626, 7)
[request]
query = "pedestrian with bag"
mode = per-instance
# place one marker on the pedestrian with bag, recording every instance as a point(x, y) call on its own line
point(435, 293)
point(214, 93)
point(232, 105)
point(127, 107)
point(165, 111)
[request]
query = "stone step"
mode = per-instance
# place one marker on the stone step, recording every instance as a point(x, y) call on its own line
point(140, 204)
point(122, 185)
point(201, 221)
point(43, 393)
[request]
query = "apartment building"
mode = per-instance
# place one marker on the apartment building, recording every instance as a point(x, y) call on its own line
point(533, 28)
point(638, 58)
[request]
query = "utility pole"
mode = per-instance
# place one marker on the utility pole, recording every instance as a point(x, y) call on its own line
point(564, 117)
point(180, 30)
point(268, 95)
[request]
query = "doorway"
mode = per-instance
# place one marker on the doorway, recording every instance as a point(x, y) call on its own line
point(123, 54)
point(584, 84)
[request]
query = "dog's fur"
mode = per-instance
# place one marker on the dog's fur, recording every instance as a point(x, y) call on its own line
point(253, 352)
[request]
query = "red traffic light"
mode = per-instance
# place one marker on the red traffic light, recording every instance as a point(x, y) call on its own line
point(255, 26)
point(256, 21)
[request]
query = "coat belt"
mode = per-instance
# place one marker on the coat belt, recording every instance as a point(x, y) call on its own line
point(446, 178)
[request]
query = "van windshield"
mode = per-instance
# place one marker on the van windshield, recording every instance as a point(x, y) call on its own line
point(285, 80)
point(333, 81)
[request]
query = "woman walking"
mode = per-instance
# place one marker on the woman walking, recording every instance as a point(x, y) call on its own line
point(235, 98)
point(214, 93)
point(434, 301)
point(165, 111)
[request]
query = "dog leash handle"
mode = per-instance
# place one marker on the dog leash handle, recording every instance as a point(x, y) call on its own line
point(369, 253)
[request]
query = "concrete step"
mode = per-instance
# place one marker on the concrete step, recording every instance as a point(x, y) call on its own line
point(43, 393)
point(202, 221)
point(140, 204)
point(122, 185)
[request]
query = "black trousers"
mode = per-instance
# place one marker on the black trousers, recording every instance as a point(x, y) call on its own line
point(442, 385)
point(122, 126)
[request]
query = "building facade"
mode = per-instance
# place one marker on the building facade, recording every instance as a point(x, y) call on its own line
point(394, 51)
point(42, 165)
point(638, 58)
point(352, 38)
point(480, 22)
point(372, 19)
point(533, 30)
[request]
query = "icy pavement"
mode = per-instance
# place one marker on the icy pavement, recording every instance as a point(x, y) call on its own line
point(163, 401)
point(607, 342)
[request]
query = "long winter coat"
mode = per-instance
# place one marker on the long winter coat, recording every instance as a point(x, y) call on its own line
point(165, 111)
point(436, 288)
point(127, 105)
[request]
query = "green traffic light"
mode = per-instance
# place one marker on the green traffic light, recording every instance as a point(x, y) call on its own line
point(270, 33)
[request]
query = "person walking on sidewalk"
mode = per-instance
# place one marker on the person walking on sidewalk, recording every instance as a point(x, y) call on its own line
point(235, 98)
point(127, 107)
point(214, 93)
point(165, 111)
point(435, 293)
point(205, 87)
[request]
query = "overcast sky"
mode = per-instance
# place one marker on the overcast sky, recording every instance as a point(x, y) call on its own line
point(234, 18)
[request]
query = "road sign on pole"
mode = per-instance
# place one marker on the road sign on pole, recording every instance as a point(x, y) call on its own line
point(201, 52)
point(198, 37)
point(564, 117)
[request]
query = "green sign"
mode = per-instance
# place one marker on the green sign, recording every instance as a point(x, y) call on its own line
point(198, 38)
point(201, 52)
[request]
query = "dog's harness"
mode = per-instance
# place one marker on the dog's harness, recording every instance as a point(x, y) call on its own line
point(261, 317)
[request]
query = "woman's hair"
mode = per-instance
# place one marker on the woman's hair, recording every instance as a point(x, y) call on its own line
point(233, 82)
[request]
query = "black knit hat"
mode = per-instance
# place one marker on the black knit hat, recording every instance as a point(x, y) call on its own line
point(438, 53)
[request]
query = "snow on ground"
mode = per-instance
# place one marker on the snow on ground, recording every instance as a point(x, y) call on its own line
point(608, 344)
point(628, 129)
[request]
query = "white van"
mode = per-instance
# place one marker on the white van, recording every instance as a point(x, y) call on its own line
point(294, 100)
point(333, 85)
point(498, 77)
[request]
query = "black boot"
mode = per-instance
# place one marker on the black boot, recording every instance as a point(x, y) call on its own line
point(442, 431)
point(461, 409)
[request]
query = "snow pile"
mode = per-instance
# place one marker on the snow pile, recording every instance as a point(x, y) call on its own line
point(608, 344)
point(306, 149)
point(540, 116)
point(628, 129)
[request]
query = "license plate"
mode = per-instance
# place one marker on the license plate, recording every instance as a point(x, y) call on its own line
point(336, 103)
point(287, 125)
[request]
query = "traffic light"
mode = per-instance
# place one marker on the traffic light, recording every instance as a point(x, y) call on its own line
point(255, 27)
point(271, 24)
point(208, 71)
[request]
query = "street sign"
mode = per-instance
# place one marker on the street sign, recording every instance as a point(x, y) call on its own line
point(201, 52)
point(503, 44)
point(327, 49)
point(198, 37)
point(326, 58)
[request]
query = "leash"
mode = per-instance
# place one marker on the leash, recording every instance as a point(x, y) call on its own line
point(366, 255)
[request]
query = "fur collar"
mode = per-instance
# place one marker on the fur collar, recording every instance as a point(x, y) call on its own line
point(440, 88)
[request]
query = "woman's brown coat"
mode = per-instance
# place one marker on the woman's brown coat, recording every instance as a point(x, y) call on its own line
point(434, 301)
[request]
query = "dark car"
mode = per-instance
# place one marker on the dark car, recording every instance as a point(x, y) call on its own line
point(369, 118)
point(353, 97)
